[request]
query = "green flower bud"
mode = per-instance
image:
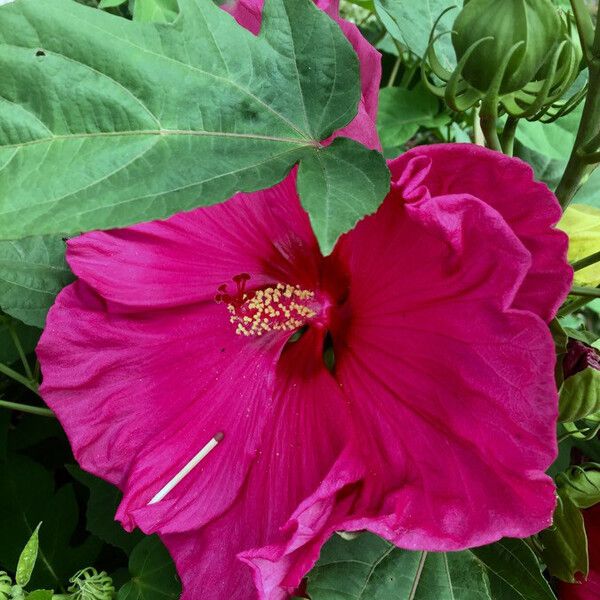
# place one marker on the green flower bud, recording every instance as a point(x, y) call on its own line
point(5, 586)
point(525, 30)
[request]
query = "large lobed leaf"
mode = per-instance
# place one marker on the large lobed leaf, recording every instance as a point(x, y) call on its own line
point(106, 122)
point(369, 568)
point(32, 272)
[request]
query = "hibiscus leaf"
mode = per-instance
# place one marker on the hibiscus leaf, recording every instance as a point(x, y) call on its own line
point(40, 595)
point(28, 498)
point(565, 547)
point(402, 112)
point(580, 396)
point(32, 272)
point(101, 508)
point(159, 11)
point(340, 184)
point(411, 23)
point(28, 337)
point(108, 122)
point(153, 575)
point(514, 571)
point(369, 568)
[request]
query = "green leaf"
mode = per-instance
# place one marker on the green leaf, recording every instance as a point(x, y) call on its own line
point(554, 140)
point(580, 396)
point(163, 117)
point(101, 508)
point(28, 558)
point(28, 497)
point(514, 571)
point(548, 170)
point(158, 11)
point(411, 23)
point(32, 272)
point(340, 184)
point(564, 544)
point(153, 574)
point(590, 191)
point(28, 337)
point(110, 3)
point(366, 4)
point(369, 568)
point(582, 335)
point(582, 485)
point(40, 595)
point(402, 112)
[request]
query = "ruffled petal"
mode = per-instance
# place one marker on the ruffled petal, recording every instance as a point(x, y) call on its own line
point(529, 208)
point(363, 128)
point(456, 388)
point(302, 446)
point(139, 395)
point(184, 259)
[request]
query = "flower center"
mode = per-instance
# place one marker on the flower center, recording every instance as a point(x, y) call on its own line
point(280, 307)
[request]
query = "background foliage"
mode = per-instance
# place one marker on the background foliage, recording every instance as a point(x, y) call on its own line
point(39, 479)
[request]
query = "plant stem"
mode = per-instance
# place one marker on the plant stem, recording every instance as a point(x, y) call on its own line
point(18, 377)
point(572, 306)
point(33, 410)
point(586, 262)
point(578, 168)
point(394, 72)
point(508, 135)
point(490, 132)
point(17, 342)
point(586, 292)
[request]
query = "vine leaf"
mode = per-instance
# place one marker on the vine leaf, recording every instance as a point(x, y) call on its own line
point(107, 122)
point(101, 508)
point(153, 574)
point(370, 568)
point(28, 497)
point(32, 272)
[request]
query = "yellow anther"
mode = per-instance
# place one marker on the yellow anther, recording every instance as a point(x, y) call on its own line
point(279, 308)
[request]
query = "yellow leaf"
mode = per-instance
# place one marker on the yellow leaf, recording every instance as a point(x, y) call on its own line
point(582, 224)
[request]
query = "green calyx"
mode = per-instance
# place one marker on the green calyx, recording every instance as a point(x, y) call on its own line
point(518, 57)
point(524, 29)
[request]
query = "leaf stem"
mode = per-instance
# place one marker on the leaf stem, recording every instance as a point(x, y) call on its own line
point(33, 410)
point(508, 135)
point(581, 166)
point(585, 292)
point(592, 259)
point(19, 378)
point(394, 72)
point(572, 306)
point(17, 342)
point(490, 131)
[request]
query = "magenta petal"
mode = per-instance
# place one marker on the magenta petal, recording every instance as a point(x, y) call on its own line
point(529, 208)
point(129, 392)
point(457, 388)
point(300, 448)
point(186, 258)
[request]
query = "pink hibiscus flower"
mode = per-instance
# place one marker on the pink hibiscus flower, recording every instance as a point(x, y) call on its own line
point(590, 589)
point(433, 427)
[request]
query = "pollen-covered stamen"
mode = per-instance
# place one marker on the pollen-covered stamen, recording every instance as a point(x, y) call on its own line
point(282, 307)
